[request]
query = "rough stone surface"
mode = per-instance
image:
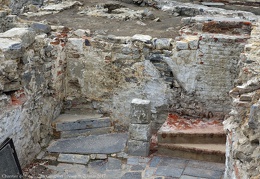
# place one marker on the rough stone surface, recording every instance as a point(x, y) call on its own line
point(242, 126)
point(140, 132)
point(140, 111)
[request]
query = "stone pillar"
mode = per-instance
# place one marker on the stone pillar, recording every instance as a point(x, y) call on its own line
point(140, 128)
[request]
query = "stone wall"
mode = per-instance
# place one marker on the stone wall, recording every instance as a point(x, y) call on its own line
point(243, 132)
point(7, 21)
point(191, 76)
point(31, 88)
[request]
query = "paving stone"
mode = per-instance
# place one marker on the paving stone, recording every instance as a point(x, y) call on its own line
point(97, 165)
point(93, 156)
point(173, 162)
point(137, 167)
point(101, 156)
point(144, 159)
point(73, 158)
point(138, 148)
point(206, 165)
point(132, 175)
point(155, 161)
point(100, 144)
point(149, 172)
point(113, 164)
point(168, 171)
point(133, 160)
point(197, 172)
point(113, 174)
point(158, 178)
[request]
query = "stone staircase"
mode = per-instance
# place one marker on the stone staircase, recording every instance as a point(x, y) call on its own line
point(192, 138)
point(81, 132)
point(74, 125)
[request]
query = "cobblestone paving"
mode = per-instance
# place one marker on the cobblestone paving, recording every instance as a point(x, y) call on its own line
point(132, 167)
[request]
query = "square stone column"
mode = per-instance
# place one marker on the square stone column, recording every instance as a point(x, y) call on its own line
point(140, 128)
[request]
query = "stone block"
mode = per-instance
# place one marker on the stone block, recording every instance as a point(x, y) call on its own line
point(140, 132)
point(182, 45)
point(113, 164)
point(11, 48)
point(140, 111)
point(254, 116)
point(26, 35)
point(73, 158)
point(101, 156)
point(142, 38)
point(193, 42)
point(138, 148)
point(40, 27)
point(162, 44)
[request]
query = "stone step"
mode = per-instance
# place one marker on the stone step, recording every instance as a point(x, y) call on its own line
point(97, 144)
point(191, 131)
point(70, 122)
point(86, 132)
point(205, 152)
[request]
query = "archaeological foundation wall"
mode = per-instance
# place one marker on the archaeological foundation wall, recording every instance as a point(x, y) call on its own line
point(31, 88)
point(45, 71)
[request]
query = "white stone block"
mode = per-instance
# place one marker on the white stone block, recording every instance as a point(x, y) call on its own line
point(182, 45)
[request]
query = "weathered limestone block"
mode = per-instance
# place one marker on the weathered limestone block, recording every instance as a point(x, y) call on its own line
point(142, 38)
point(162, 44)
point(26, 35)
point(75, 44)
point(12, 49)
point(140, 111)
point(82, 32)
point(140, 132)
point(182, 45)
point(138, 148)
point(193, 42)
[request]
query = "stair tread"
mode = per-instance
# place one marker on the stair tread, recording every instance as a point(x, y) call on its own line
point(75, 117)
point(220, 148)
point(177, 125)
point(70, 122)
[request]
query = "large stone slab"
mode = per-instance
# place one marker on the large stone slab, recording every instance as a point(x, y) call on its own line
point(101, 144)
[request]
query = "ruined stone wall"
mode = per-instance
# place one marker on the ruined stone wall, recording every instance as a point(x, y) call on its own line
point(243, 132)
point(31, 88)
point(191, 76)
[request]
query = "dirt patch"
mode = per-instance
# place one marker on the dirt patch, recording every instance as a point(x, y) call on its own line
point(164, 25)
